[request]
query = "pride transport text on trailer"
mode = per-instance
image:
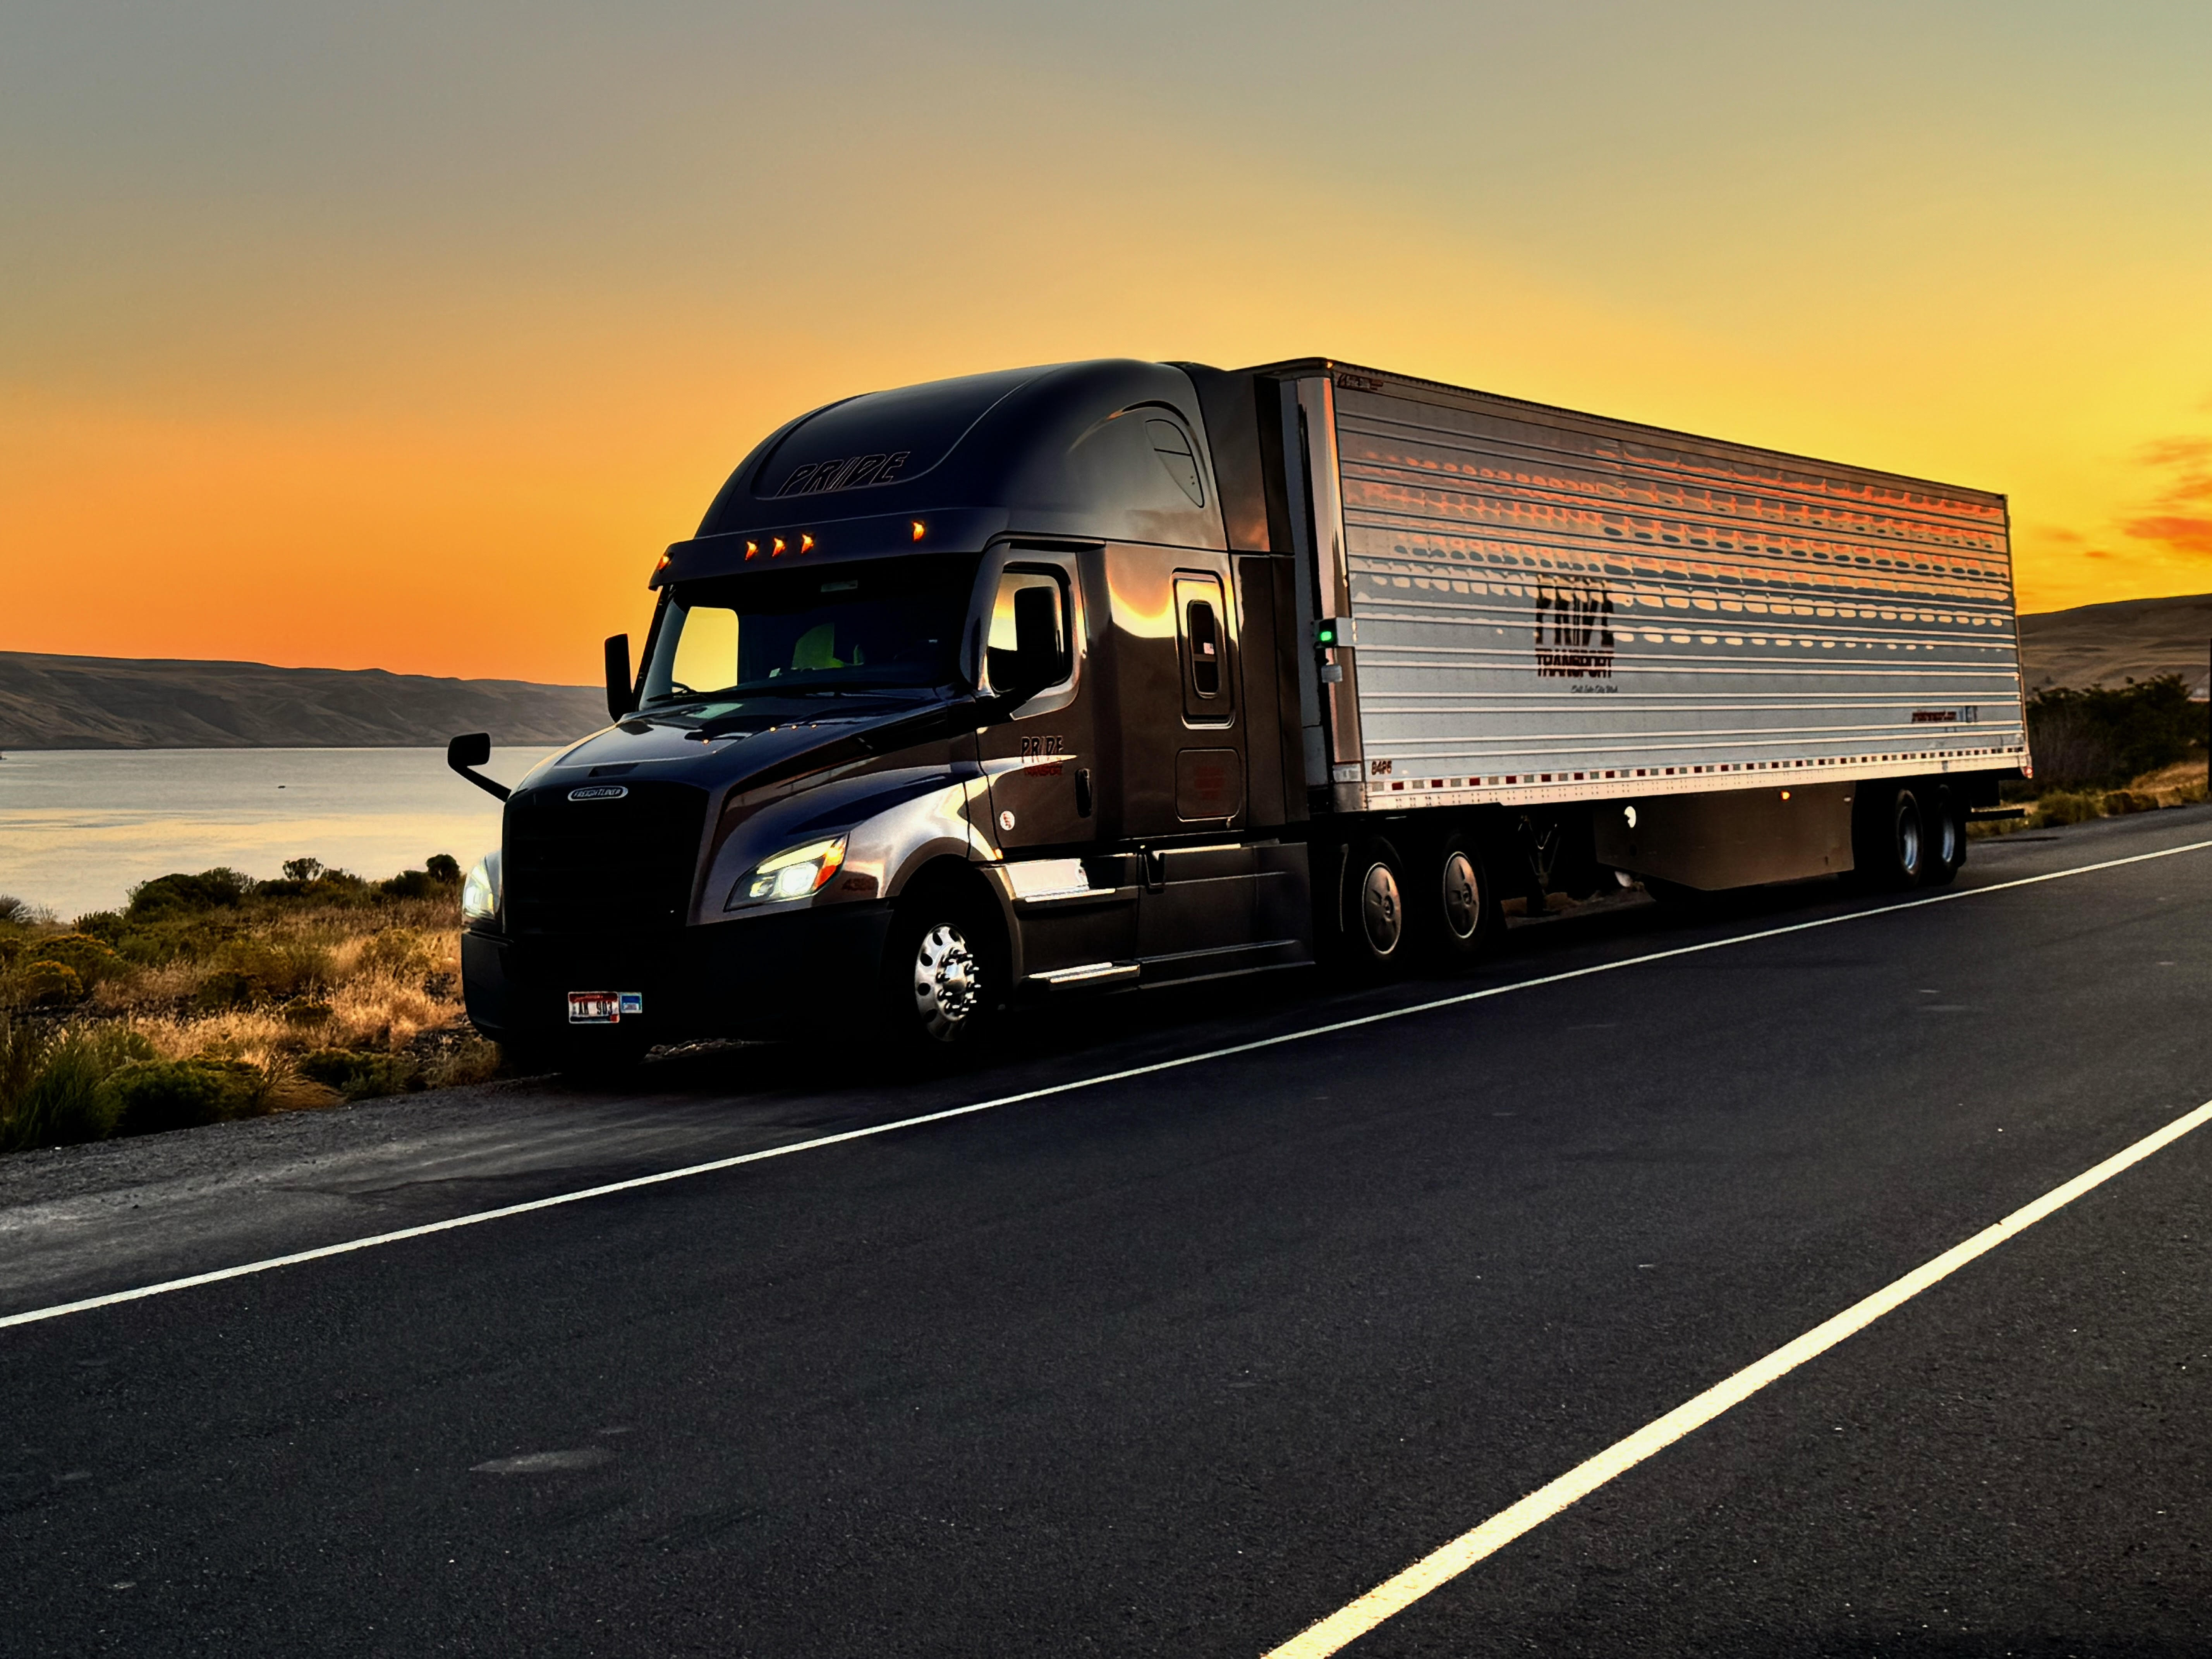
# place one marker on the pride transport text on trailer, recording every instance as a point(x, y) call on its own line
point(1034, 684)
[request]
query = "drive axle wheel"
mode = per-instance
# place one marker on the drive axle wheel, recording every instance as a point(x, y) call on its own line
point(1375, 907)
point(1465, 921)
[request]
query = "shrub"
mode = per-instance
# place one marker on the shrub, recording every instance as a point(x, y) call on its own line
point(361, 1076)
point(226, 987)
point(44, 985)
point(154, 1095)
point(278, 970)
point(106, 926)
point(2063, 807)
point(93, 960)
point(302, 870)
point(471, 1061)
point(14, 909)
point(221, 888)
point(397, 952)
point(2102, 736)
point(54, 1087)
point(440, 874)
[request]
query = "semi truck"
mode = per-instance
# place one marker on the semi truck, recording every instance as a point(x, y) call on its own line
point(1042, 683)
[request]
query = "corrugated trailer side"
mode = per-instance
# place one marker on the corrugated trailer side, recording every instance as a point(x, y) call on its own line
point(1535, 605)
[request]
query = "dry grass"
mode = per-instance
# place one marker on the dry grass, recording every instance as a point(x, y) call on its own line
point(2181, 784)
point(293, 994)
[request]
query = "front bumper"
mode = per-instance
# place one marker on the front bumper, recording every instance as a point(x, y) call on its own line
point(760, 976)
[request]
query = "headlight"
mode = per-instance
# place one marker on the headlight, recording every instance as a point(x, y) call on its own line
point(480, 890)
point(791, 874)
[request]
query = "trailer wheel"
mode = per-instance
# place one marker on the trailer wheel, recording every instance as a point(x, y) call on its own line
point(1943, 835)
point(1464, 922)
point(1375, 907)
point(1891, 851)
point(941, 979)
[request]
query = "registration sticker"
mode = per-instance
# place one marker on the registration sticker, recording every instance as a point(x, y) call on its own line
point(603, 1007)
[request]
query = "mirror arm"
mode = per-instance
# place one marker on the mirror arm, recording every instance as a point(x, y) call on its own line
point(464, 754)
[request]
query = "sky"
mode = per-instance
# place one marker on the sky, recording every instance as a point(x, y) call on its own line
point(406, 337)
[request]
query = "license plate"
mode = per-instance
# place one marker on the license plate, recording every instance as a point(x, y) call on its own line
point(603, 1007)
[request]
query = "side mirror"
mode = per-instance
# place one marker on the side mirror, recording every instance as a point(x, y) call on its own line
point(622, 691)
point(469, 752)
point(1035, 660)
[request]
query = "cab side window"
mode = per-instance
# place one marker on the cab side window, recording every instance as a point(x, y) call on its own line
point(1029, 649)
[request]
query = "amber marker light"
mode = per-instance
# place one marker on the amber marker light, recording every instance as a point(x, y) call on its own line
point(1785, 794)
point(776, 552)
point(662, 565)
point(806, 543)
point(752, 549)
point(918, 529)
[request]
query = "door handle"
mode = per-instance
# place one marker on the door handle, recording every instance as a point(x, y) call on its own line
point(1082, 791)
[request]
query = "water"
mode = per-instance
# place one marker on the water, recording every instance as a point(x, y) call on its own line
point(79, 827)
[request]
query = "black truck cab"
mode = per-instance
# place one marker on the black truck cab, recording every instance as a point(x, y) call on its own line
point(963, 693)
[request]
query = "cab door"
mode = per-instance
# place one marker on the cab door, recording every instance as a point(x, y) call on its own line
point(1039, 755)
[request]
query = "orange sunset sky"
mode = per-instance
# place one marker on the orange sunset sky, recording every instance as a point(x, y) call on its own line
point(406, 336)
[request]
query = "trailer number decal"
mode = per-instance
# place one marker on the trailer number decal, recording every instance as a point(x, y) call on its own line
point(1574, 630)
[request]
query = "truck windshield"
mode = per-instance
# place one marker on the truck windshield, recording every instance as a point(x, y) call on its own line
point(856, 627)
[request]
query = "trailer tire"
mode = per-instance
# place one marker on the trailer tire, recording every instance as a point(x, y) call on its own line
point(943, 976)
point(1890, 849)
point(1943, 834)
point(1376, 932)
point(1463, 923)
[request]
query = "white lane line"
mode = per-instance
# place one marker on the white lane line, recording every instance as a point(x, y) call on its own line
point(1395, 1594)
point(374, 1240)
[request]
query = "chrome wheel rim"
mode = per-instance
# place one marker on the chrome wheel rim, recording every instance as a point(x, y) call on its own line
point(1381, 912)
point(947, 981)
point(1462, 902)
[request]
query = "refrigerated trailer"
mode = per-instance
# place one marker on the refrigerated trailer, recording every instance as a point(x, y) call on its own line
point(1107, 675)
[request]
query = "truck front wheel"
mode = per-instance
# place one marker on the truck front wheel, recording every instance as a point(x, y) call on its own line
point(940, 977)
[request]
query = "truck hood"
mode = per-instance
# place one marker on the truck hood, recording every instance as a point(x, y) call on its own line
point(749, 744)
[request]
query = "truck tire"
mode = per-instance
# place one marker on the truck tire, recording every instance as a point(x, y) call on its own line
point(1888, 847)
point(1464, 923)
point(1942, 834)
point(1376, 931)
point(942, 981)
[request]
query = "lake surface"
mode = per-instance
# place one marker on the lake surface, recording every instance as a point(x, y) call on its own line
point(80, 827)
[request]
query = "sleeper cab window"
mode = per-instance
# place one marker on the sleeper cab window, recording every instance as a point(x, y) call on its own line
point(1030, 645)
point(1173, 447)
point(1203, 628)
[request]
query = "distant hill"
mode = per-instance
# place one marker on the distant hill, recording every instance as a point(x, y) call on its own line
point(2109, 644)
point(118, 702)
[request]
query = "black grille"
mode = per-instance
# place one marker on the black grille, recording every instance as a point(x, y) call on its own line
point(621, 865)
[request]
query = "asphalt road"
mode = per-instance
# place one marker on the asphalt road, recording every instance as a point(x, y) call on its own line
point(1182, 1363)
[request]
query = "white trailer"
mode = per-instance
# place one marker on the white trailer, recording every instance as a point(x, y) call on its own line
point(1522, 606)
